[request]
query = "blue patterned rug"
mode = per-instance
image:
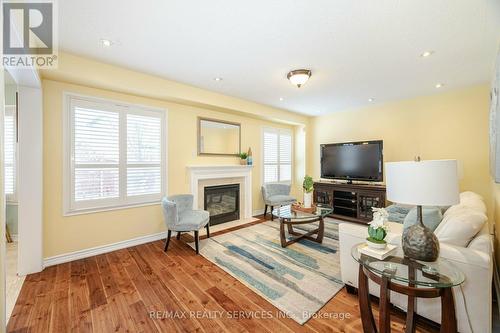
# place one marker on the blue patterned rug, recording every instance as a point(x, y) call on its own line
point(298, 279)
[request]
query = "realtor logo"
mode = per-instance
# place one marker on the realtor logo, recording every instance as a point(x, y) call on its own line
point(29, 34)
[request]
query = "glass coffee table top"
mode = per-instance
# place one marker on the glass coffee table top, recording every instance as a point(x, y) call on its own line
point(286, 212)
point(438, 274)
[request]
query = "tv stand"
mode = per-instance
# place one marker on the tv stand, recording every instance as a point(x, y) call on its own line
point(350, 202)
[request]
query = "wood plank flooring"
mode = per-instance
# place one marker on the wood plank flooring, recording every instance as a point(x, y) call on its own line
point(143, 289)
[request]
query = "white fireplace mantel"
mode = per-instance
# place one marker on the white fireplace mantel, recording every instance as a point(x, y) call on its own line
point(201, 172)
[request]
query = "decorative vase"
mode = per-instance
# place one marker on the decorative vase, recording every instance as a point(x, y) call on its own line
point(243, 161)
point(308, 199)
point(376, 246)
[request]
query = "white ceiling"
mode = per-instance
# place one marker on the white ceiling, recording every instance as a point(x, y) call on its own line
point(356, 49)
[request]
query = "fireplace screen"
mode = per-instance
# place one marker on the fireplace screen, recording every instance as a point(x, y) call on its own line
point(223, 203)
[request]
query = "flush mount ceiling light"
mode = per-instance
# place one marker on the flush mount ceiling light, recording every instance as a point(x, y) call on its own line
point(299, 77)
point(217, 79)
point(439, 85)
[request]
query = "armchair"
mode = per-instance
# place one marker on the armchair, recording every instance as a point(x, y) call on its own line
point(275, 194)
point(179, 216)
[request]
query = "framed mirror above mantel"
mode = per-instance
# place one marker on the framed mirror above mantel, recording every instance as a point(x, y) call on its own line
point(218, 137)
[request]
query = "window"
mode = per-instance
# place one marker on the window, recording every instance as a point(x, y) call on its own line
point(115, 155)
point(277, 146)
point(10, 152)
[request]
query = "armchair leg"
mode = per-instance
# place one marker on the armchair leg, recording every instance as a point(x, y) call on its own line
point(196, 242)
point(272, 217)
point(265, 211)
point(178, 235)
point(208, 229)
point(169, 233)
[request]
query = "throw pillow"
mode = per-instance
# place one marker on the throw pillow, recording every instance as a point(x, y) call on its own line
point(460, 225)
point(431, 216)
point(472, 200)
point(397, 212)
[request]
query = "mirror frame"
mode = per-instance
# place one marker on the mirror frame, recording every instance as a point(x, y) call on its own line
point(200, 119)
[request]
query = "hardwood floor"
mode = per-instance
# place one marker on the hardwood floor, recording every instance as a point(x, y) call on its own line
point(143, 289)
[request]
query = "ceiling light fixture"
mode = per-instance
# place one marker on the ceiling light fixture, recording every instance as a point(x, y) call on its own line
point(217, 79)
point(370, 99)
point(106, 42)
point(299, 77)
point(439, 85)
point(281, 98)
point(427, 54)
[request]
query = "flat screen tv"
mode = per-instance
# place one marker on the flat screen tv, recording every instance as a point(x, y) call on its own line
point(350, 161)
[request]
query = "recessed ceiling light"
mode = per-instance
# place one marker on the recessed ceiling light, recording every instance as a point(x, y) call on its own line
point(439, 85)
point(106, 42)
point(370, 99)
point(281, 98)
point(217, 79)
point(427, 54)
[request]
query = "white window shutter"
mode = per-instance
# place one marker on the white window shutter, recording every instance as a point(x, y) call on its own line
point(277, 164)
point(143, 155)
point(10, 152)
point(285, 174)
point(96, 154)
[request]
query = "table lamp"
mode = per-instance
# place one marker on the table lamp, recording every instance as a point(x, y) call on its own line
point(422, 183)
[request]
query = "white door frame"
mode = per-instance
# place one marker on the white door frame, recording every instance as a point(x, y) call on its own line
point(29, 170)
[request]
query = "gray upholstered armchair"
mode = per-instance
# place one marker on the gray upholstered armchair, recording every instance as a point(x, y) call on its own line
point(275, 194)
point(179, 216)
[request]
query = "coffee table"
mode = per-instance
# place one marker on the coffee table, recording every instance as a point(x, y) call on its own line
point(289, 217)
point(409, 277)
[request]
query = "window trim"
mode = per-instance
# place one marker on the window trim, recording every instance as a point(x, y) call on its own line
point(123, 202)
point(279, 131)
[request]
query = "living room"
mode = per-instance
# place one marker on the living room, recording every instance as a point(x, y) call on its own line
point(158, 169)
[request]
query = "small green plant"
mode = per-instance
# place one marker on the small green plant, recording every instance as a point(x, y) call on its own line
point(377, 229)
point(308, 184)
point(243, 156)
point(376, 235)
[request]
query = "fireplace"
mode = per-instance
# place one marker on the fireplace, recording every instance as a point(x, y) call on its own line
point(223, 203)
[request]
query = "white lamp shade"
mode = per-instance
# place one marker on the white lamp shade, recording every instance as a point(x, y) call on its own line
point(424, 183)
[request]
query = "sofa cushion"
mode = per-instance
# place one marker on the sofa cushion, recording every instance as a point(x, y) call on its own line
point(431, 217)
point(460, 224)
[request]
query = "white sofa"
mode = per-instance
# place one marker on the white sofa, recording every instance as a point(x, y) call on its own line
point(473, 300)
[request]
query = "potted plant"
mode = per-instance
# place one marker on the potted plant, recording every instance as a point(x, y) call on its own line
point(377, 229)
point(243, 158)
point(308, 186)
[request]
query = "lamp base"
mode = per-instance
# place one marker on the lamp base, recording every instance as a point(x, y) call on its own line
point(419, 242)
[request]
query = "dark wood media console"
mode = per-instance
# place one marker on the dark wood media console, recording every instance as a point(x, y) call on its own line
point(350, 202)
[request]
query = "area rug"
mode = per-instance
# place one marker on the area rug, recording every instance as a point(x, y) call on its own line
point(298, 279)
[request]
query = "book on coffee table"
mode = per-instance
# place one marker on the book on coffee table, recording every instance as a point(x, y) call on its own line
point(378, 253)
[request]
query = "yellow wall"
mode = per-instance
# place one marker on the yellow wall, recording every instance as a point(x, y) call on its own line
point(68, 234)
point(449, 125)
point(91, 73)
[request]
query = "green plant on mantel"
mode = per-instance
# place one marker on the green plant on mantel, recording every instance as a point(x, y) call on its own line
point(308, 184)
point(243, 156)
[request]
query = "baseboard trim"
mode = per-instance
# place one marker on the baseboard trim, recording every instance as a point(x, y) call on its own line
point(258, 212)
point(71, 256)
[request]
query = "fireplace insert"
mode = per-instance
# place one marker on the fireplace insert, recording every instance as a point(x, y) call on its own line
point(222, 202)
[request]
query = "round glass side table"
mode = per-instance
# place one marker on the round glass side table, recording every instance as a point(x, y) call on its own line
point(409, 277)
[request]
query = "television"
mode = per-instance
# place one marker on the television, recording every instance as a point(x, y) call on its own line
point(362, 161)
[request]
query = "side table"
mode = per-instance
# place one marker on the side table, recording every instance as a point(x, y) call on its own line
point(409, 277)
